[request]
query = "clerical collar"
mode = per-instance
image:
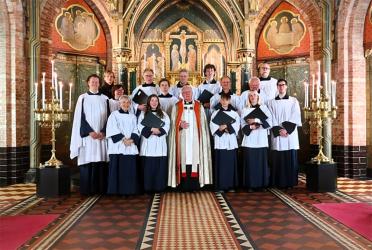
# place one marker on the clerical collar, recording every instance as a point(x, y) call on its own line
point(153, 110)
point(265, 78)
point(187, 103)
point(284, 97)
point(121, 111)
point(148, 85)
point(230, 93)
point(179, 84)
point(211, 82)
point(165, 96)
point(91, 93)
point(256, 106)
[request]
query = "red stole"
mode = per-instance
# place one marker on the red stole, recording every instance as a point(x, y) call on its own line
point(177, 128)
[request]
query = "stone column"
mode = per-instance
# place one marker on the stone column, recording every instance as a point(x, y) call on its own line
point(327, 14)
point(34, 54)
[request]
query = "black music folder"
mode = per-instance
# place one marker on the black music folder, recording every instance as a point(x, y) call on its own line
point(140, 97)
point(221, 118)
point(205, 96)
point(256, 113)
point(152, 121)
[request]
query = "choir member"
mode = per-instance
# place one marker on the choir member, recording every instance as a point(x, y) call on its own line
point(268, 83)
point(167, 101)
point(117, 92)
point(148, 87)
point(286, 117)
point(226, 88)
point(176, 89)
point(123, 138)
point(153, 148)
point(88, 138)
point(108, 83)
point(254, 85)
point(225, 145)
point(255, 123)
point(210, 85)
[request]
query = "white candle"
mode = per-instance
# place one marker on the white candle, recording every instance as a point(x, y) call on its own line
point(43, 92)
point(52, 66)
point(56, 85)
point(60, 95)
point(69, 97)
point(35, 95)
point(306, 85)
point(313, 87)
point(318, 93)
point(154, 64)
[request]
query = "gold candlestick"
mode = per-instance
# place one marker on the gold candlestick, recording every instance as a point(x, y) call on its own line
point(316, 114)
point(51, 117)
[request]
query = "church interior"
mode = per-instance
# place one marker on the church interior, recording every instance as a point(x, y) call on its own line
point(323, 48)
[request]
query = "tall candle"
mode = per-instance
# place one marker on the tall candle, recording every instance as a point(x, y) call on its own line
point(52, 68)
point(43, 92)
point(306, 85)
point(313, 87)
point(56, 85)
point(60, 95)
point(69, 97)
point(35, 95)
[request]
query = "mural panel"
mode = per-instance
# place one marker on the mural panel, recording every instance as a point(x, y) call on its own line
point(77, 27)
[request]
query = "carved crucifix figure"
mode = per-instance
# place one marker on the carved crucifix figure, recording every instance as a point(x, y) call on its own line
point(183, 37)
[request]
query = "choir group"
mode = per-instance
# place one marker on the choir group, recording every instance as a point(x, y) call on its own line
point(186, 137)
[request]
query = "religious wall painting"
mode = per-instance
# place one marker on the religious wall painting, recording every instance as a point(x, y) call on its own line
point(77, 27)
point(284, 32)
point(153, 58)
point(212, 35)
point(183, 49)
point(215, 55)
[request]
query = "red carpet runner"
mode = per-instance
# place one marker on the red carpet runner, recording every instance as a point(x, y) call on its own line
point(357, 216)
point(192, 221)
point(16, 230)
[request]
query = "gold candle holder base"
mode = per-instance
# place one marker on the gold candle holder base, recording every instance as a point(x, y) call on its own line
point(52, 117)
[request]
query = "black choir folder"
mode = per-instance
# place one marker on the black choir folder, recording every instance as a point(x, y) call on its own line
point(256, 113)
point(205, 96)
point(152, 121)
point(140, 97)
point(222, 118)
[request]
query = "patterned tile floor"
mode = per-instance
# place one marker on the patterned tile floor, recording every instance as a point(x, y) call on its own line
point(112, 223)
point(11, 195)
point(274, 219)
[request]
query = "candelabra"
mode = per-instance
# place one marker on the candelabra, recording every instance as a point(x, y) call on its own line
point(51, 115)
point(316, 113)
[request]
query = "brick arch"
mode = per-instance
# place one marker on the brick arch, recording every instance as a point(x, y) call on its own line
point(310, 11)
point(351, 74)
point(49, 11)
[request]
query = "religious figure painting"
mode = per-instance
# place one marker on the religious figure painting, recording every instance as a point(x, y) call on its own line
point(153, 58)
point(284, 32)
point(183, 51)
point(77, 27)
point(214, 56)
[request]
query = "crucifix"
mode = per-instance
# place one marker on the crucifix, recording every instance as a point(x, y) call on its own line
point(183, 37)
